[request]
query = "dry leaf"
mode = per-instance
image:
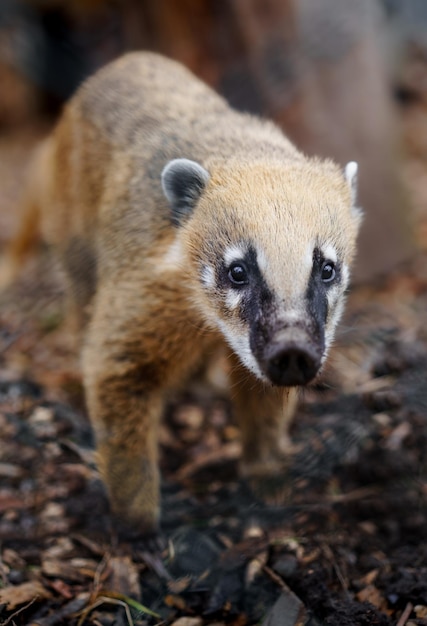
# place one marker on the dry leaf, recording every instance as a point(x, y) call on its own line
point(188, 621)
point(14, 596)
point(124, 577)
point(371, 594)
point(74, 571)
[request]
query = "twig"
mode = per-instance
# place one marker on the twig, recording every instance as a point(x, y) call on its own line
point(131, 602)
point(105, 600)
point(3, 572)
point(23, 608)
point(405, 615)
point(110, 597)
point(276, 578)
point(100, 571)
point(331, 557)
point(356, 494)
point(90, 545)
point(228, 452)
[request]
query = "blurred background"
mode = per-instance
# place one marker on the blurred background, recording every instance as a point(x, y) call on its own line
point(343, 78)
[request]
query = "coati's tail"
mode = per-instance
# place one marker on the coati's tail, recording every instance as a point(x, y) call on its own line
point(28, 235)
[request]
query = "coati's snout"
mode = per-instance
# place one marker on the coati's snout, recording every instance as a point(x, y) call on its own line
point(291, 356)
point(290, 366)
point(291, 362)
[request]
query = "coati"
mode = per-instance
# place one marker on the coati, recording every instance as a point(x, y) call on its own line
point(183, 226)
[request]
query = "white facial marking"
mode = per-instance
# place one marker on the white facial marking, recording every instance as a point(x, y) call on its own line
point(332, 296)
point(262, 260)
point(336, 301)
point(240, 345)
point(329, 253)
point(234, 253)
point(290, 317)
point(308, 257)
point(345, 274)
point(233, 299)
point(207, 276)
point(331, 325)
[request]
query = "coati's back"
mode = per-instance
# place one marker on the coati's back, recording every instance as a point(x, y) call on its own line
point(103, 162)
point(137, 114)
point(154, 107)
point(106, 154)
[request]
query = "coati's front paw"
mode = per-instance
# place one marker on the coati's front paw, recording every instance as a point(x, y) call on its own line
point(268, 459)
point(268, 480)
point(133, 486)
point(137, 521)
point(138, 524)
point(143, 537)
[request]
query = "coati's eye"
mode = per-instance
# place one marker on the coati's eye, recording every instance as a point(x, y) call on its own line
point(238, 274)
point(328, 272)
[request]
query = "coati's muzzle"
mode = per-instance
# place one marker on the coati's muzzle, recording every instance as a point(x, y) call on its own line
point(291, 357)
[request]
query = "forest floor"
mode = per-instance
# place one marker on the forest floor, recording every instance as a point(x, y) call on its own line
point(346, 546)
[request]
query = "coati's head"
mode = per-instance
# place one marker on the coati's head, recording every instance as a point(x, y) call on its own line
point(269, 247)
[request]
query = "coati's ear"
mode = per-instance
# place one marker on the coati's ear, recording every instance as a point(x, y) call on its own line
point(350, 174)
point(183, 182)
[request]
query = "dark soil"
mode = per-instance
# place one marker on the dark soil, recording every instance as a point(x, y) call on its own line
point(344, 541)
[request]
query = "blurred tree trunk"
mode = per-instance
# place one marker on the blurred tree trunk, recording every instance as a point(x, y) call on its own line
point(317, 68)
point(348, 113)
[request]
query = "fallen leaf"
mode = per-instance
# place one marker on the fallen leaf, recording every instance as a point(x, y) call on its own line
point(420, 611)
point(77, 571)
point(62, 588)
point(188, 621)
point(179, 585)
point(11, 499)
point(124, 577)
point(9, 470)
point(14, 596)
point(371, 594)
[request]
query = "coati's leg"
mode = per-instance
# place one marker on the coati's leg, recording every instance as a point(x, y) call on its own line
point(125, 375)
point(124, 412)
point(135, 350)
point(263, 413)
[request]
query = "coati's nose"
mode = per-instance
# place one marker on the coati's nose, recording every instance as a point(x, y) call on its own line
point(292, 365)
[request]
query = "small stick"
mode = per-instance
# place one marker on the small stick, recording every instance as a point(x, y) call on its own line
point(23, 608)
point(405, 615)
point(276, 578)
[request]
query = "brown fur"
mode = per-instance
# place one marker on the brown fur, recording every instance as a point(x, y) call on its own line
point(99, 201)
